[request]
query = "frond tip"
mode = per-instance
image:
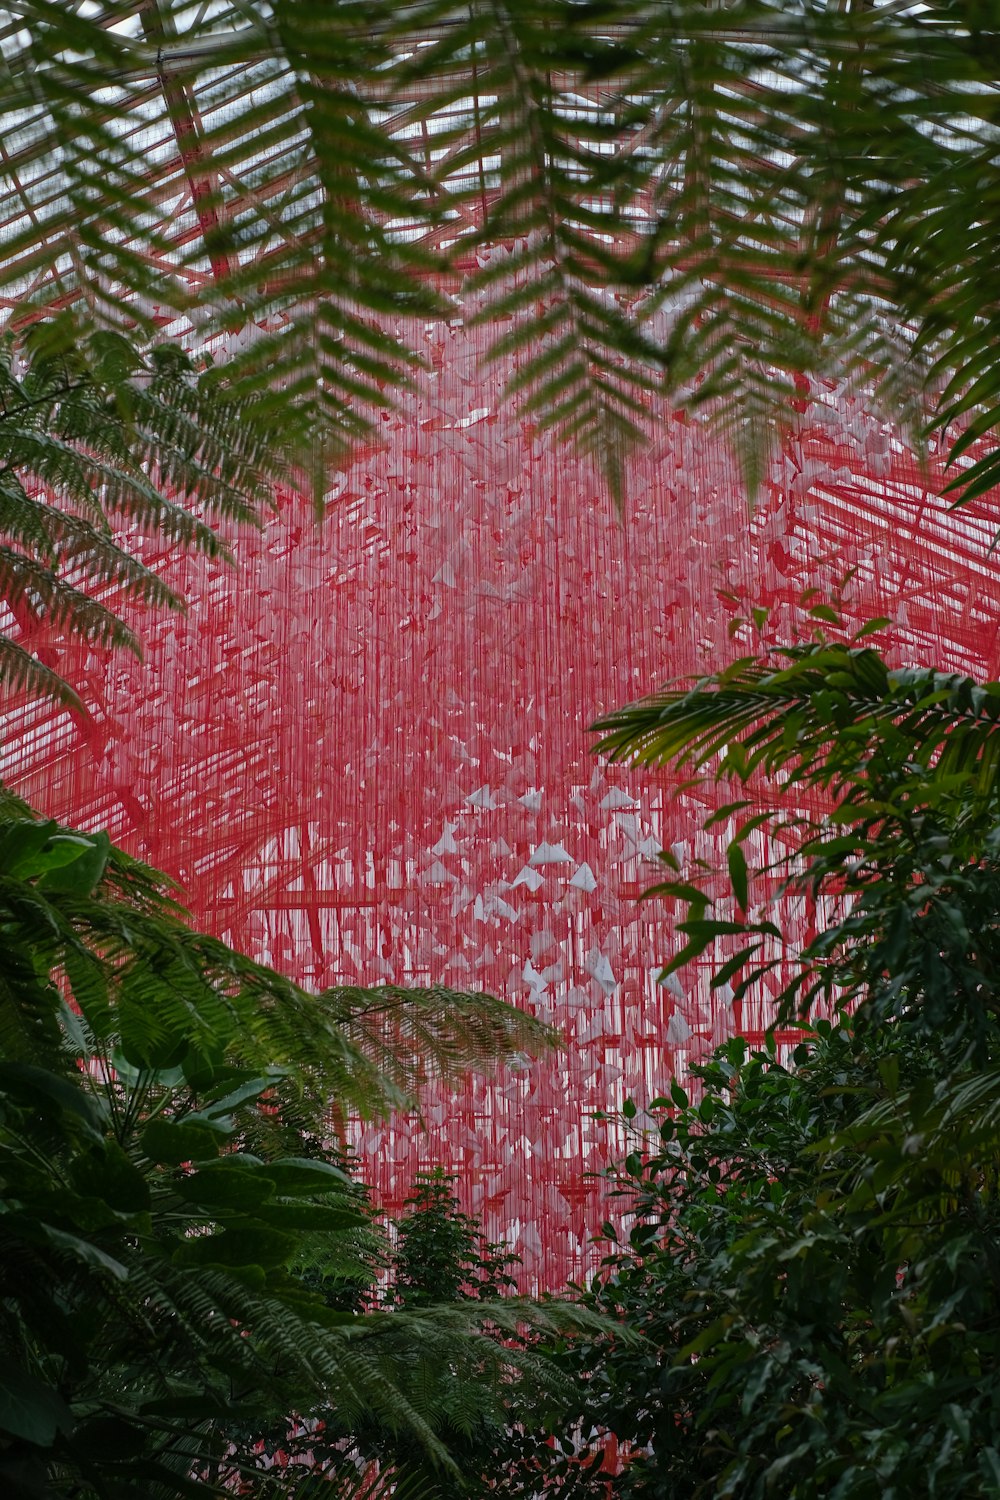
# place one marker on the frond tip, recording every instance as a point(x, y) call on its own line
point(416, 1034)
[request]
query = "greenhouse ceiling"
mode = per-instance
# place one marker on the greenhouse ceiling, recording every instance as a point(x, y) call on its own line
point(703, 202)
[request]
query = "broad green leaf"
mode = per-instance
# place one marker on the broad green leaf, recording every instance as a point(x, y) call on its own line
point(21, 846)
point(31, 1410)
point(45, 1089)
point(107, 1173)
point(247, 1246)
point(300, 1174)
point(102, 1435)
point(235, 1098)
point(738, 875)
point(78, 875)
point(35, 1231)
point(173, 1142)
point(314, 1217)
point(225, 1184)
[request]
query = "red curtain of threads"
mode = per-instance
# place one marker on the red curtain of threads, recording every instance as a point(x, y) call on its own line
point(364, 751)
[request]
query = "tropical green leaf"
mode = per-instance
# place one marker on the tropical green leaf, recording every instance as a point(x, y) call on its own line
point(31, 1410)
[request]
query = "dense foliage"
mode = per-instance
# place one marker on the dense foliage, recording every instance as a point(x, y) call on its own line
point(813, 1261)
point(164, 1187)
point(884, 792)
point(441, 1254)
point(531, 1447)
point(813, 1256)
point(440, 1258)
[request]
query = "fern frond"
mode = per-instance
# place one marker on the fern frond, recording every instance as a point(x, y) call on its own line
point(94, 428)
point(24, 581)
point(415, 1034)
point(21, 672)
point(705, 203)
point(149, 986)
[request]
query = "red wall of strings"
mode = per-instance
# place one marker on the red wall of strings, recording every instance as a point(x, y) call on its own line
point(363, 753)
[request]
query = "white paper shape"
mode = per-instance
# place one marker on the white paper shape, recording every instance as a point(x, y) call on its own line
point(461, 901)
point(550, 854)
point(598, 966)
point(617, 798)
point(499, 907)
point(678, 1029)
point(541, 942)
point(446, 843)
point(583, 879)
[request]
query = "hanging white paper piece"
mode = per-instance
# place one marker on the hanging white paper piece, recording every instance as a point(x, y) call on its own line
point(598, 966)
point(551, 854)
point(446, 843)
point(531, 976)
point(616, 798)
point(678, 1029)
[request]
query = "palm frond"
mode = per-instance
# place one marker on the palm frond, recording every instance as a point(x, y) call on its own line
point(165, 1102)
point(22, 672)
point(882, 801)
point(558, 204)
point(712, 204)
point(148, 989)
point(958, 1124)
point(821, 719)
point(23, 581)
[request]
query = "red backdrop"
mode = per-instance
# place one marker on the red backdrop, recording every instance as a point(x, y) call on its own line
point(364, 753)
